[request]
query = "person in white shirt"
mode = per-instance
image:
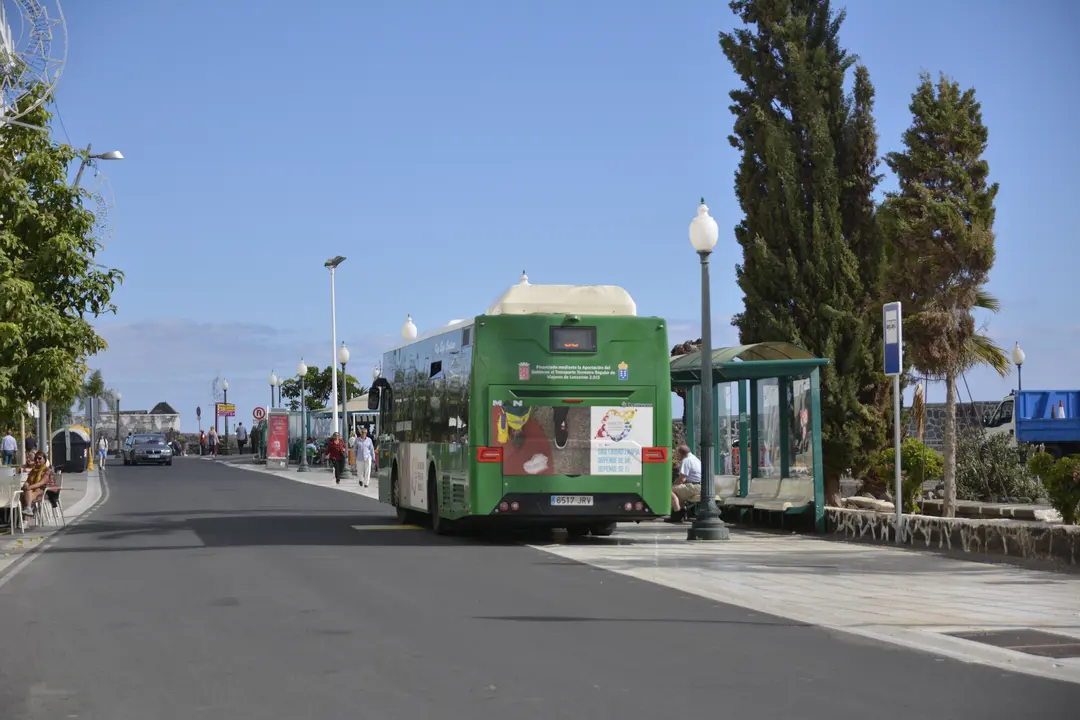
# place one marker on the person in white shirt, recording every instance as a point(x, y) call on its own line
point(364, 451)
point(687, 488)
point(102, 450)
point(9, 445)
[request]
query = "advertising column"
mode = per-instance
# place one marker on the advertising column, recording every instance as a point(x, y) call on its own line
point(277, 439)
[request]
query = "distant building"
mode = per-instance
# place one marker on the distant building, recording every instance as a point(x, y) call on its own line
point(161, 419)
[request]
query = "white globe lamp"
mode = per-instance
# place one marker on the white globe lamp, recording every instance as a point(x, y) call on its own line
point(704, 231)
point(408, 330)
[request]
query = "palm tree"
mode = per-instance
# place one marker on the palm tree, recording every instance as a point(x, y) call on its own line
point(978, 349)
point(93, 389)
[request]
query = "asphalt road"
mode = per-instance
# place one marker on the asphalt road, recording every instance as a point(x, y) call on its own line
point(200, 590)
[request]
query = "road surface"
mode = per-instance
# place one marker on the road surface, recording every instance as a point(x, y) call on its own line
point(200, 590)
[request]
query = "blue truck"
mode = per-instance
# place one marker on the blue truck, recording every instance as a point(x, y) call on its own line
point(1050, 418)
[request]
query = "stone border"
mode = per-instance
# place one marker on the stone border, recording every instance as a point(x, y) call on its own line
point(1057, 544)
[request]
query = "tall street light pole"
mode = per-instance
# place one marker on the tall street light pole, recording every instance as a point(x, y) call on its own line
point(225, 389)
point(117, 396)
point(707, 524)
point(332, 265)
point(87, 157)
point(301, 370)
point(273, 382)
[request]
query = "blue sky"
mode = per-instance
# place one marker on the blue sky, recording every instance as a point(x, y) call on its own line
point(444, 147)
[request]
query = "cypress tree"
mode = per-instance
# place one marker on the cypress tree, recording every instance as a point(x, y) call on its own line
point(811, 254)
point(939, 226)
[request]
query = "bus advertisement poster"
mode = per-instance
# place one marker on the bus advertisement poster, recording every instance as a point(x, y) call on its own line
point(618, 435)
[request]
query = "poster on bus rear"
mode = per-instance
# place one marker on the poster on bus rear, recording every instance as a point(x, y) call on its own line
point(618, 434)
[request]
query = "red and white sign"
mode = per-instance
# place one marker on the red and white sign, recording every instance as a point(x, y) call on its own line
point(259, 413)
point(277, 446)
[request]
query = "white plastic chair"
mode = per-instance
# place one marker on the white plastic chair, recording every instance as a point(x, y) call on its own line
point(12, 504)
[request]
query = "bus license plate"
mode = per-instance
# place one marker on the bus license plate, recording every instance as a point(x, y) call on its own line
point(578, 500)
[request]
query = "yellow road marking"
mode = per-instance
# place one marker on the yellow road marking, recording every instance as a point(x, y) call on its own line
point(386, 527)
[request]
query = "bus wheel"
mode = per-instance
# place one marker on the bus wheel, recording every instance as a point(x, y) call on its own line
point(439, 524)
point(603, 529)
point(395, 498)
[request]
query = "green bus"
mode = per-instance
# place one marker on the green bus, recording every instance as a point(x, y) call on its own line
point(553, 408)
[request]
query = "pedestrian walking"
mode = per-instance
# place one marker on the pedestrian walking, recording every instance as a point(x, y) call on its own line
point(337, 452)
point(102, 450)
point(213, 441)
point(365, 453)
point(241, 437)
point(9, 445)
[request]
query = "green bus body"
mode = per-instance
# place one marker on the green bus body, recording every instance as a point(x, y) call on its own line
point(470, 419)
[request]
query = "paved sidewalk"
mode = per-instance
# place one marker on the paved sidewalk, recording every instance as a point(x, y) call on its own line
point(891, 594)
point(320, 476)
point(81, 492)
point(888, 594)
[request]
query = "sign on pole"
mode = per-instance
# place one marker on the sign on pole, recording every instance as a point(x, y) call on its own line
point(894, 338)
point(225, 409)
point(892, 326)
point(259, 413)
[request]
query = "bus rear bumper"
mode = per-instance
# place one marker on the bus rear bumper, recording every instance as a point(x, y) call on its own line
point(611, 507)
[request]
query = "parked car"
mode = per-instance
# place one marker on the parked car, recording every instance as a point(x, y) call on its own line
point(147, 448)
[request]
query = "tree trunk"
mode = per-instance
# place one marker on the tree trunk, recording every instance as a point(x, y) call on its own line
point(949, 447)
point(22, 438)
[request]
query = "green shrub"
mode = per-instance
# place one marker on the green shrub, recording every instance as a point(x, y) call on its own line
point(1062, 480)
point(990, 466)
point(919, 463)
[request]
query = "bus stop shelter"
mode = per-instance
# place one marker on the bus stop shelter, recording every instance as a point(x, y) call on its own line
point(767, 403)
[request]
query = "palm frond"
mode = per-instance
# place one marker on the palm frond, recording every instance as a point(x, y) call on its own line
point(985, 301)
point(982, 350)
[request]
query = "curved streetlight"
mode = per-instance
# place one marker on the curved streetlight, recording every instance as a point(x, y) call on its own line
point(87, 157)
point(707, 524)
point(408, 330)
point(332, 265)
point(1018, 357)
point(301, 371)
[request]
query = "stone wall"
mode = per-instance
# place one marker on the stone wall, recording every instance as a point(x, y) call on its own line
point(1054, 543)
point(967, 413)
point(138, 421)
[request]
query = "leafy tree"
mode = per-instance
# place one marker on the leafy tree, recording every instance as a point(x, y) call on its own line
point(50, 284)
point(940, 229)
point(812, 256)
point(317, 389)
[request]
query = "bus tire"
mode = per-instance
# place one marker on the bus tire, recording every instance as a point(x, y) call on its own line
point(603, 529)
point(395, 497)
point(439, 524)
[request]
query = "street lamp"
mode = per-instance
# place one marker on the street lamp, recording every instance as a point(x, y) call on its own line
point(707, 524)
point(87, 157)
point(273, 382)
point(301, 370)
point(225, 389)
point(343, 358)
point(117, 396)
point(1018, 358)
point(332, 265)
point(408, 330)
point(278, 383)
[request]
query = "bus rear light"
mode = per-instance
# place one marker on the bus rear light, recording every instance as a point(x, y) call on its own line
point(489, 454)
point(515, 506)
point(628, 506)
point(504, 506)
point(639, 506)
point(654, 454)
point(567, 400)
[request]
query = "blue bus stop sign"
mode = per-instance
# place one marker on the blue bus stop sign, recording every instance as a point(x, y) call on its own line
point(894, 338)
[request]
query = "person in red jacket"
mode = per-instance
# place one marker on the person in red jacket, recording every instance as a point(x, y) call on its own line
point(337, 452)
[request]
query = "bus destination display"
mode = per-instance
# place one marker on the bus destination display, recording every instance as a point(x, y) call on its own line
point(573, 339)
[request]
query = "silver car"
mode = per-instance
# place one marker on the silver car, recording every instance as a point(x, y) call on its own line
point(147, 448)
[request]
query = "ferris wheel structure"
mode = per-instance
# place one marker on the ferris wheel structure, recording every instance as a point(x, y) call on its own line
point(33, 50)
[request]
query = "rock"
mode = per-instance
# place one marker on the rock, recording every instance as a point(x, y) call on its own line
point(1024, 501)
point(1012, 501)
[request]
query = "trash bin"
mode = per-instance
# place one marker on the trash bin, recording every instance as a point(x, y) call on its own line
point(70, 449)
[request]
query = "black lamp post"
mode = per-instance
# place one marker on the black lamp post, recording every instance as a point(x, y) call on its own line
point(707, 524)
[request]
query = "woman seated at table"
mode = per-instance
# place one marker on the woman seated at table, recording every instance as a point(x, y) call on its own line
point(38, 479)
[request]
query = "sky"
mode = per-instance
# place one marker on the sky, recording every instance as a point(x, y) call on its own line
point(445, 147)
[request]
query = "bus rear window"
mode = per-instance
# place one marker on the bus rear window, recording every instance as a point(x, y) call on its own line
point(573, 339)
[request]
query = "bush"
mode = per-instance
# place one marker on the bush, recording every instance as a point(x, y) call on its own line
point(918, 464)
point(991, 467)
point(1062, 480)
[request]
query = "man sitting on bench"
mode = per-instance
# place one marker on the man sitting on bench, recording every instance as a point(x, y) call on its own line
point(687, 487)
